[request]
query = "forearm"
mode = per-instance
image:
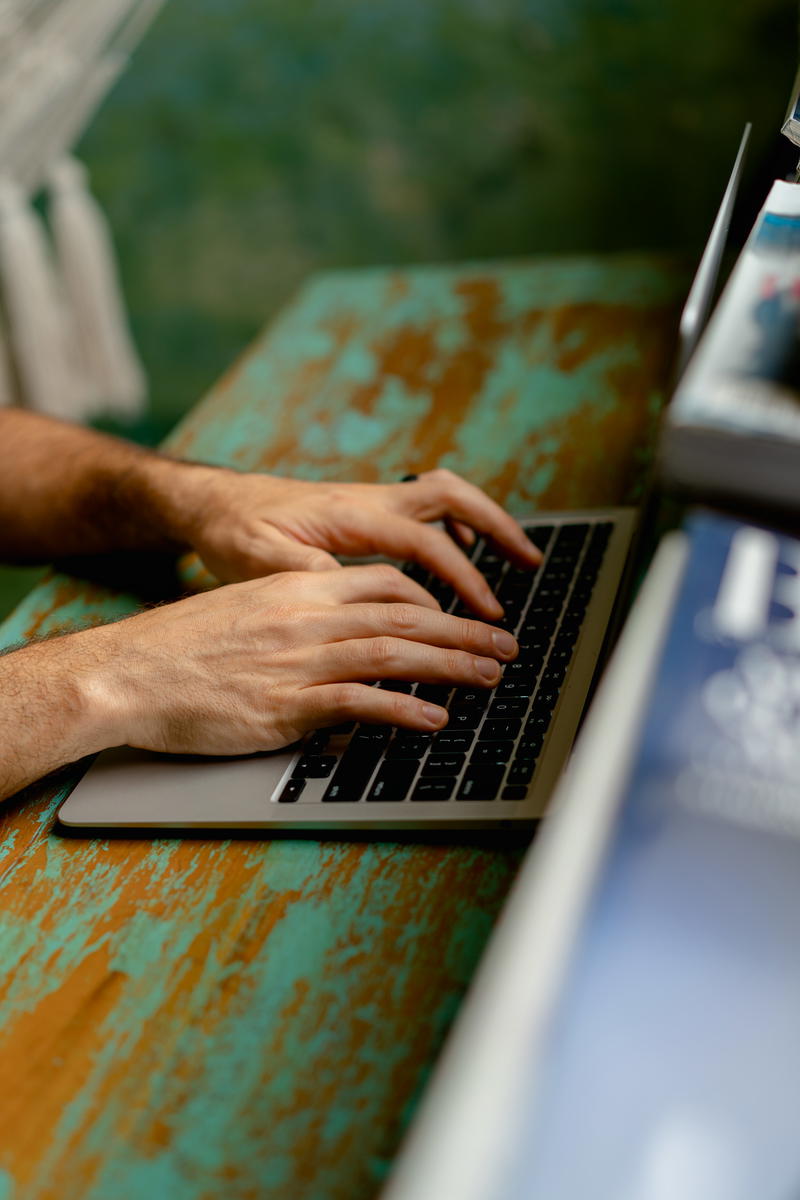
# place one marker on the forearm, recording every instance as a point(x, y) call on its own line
point(56, 706)
point(66, 490)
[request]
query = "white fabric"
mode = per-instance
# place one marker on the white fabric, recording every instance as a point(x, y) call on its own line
point(85, 257)
point(67, 332)
point(38, 326)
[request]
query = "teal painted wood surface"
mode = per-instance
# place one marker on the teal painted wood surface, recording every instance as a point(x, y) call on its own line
point(200, 1018)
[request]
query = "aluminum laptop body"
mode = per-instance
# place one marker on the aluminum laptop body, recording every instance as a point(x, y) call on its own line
point(129, 789)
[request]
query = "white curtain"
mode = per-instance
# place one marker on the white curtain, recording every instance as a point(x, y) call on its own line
point(65, 346)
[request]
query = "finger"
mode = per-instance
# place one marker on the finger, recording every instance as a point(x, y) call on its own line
point(461, 533)
point(396, 658)
point(440, 493)
point(418, 624)
point(283, 554)
point(403, 537)
point(333, 703)
point(373, 582)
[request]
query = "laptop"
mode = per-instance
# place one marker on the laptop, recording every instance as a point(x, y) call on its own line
point(498, 759)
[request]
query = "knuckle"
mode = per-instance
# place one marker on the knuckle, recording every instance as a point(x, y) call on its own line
point(396, 709)
point(382, 651)
point(346, 698)
point(445, 476)
point(401, 617)
point(318, 560)
point(386, 573)
point(473, 633)
point(455, 663)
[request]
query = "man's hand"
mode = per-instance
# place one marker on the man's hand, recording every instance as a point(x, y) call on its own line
point(69, 491)
point(243, 668)
point(244, 526)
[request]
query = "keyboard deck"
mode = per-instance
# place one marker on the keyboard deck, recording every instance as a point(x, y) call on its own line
point(491, 747)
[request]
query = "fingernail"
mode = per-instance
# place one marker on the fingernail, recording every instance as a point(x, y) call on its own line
point(433, 715)
point(487, 669)
point(505, 643)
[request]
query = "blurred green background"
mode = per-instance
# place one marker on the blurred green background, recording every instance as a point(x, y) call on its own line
point(251, 143)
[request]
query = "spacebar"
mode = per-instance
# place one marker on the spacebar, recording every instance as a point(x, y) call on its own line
point(353, 774)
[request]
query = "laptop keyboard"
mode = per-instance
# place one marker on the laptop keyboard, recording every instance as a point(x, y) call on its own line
point(491, 745)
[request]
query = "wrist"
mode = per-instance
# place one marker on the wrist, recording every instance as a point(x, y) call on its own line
point(66, 687)
point(172, 496)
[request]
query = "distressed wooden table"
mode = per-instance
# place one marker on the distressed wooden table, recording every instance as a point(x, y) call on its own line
point(193, 1019)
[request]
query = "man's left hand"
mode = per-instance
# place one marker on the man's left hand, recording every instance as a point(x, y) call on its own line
point(245, 526)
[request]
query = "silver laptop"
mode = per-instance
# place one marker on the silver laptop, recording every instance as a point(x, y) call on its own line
point(498, 759)
point(494, 764)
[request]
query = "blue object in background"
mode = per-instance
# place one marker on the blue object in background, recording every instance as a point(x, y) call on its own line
point(673, 1068)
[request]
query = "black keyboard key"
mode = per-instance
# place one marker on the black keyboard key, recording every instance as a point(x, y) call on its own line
point(354, 772)
point(564, 558)
point(515, 583)
point(396, 685)
point(434, 788)
point(408, 745)
point(533, 648)
point(471, 698)
point(498, 731)
point(492, 577)
point(560, 656)
point(417, 572)
point(513, 610)
point(509, 706)
point(442, 592)
point(433, 693)
point(545, 701)
point(393, 781)
point(371, 735)
point(572, 535)
point(539, 614)
point(530, 743)
point(536, 725)
point(464, 718)
point(522, 770)
point(292, 791)
point(315, 766)
point(540, 535)
point(443, 764)
point(491, 754)
point(525, 686)
point(553, 677)
point(554, 594)
point(317, 743)
point(489, 557)
point(601, 533)
point(481, 783)
point(456, 740)
point(515, 792)
point(342, 729)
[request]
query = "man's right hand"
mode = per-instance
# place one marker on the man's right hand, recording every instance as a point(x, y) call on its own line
point(253, 666)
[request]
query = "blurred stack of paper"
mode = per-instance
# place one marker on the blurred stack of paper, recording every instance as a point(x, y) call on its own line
point(733, 429)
